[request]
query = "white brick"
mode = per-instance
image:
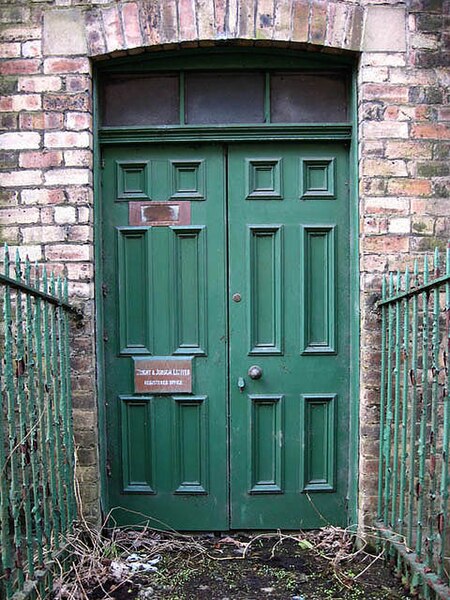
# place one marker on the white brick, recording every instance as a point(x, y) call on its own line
point(84, 214)
point(33, 253)
point(374, 74)
point(40, 83)
point(384, 129)
point(28, 102)
point(20, 178)
point(67, 139)
point(400, 225)
point(65, 214)
point(20, 140)
point(385, 29)
point(67, 177)
point(78, 158)
point(46, 234)
point(19, 215)
point(383, 59)
point(64, 32)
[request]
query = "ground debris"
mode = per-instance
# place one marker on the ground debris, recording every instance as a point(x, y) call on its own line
point(147, 564)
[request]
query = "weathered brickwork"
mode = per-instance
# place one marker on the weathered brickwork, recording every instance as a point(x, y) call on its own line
point(47, 48)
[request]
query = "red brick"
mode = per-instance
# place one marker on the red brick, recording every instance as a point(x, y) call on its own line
point(80, 233)
point(47, 214)
point(131, 25)
point(5, 104)
point(24, 66)
point(386, 205)
point(390, 93)
point(66, 65)
point(10, 50)
point(392, 113)
point(431, 131)
point(41, 159)
point(62, 102)
point(72, 252)
point(220, 12)
point(188, 29)
point(113, 29)
point(385, 243)
point(42, 196)
point(94, 33)
point(78, 83)
point(444, 114)
point(409, 187)
point(408, 149)
point(40, 121)
point(170, 21)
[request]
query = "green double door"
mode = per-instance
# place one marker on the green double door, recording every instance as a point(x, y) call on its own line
point(233, 260)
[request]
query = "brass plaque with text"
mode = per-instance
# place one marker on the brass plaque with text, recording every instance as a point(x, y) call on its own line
point(160, 214)
point(163, 375)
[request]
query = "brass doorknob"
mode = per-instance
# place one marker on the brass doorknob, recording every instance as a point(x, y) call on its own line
point(255, 372)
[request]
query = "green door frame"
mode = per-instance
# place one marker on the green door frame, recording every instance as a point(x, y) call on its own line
point(221, 58)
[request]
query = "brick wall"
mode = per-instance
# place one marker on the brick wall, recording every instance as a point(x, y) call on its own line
point(46, 199)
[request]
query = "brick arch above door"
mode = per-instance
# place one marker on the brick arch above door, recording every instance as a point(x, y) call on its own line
point(130, 26)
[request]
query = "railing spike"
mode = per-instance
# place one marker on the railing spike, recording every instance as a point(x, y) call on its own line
point(18, 269)
point(7, 261)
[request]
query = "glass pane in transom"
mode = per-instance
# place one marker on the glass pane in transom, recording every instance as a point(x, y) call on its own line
point(219, 98)
point(308, 98)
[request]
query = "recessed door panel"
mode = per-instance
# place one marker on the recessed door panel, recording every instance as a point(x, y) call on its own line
point(251, 290)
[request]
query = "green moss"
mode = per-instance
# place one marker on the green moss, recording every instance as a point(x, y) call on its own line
point(433, 169)
point(428, 244)
point(419, 227)
point(8, 85)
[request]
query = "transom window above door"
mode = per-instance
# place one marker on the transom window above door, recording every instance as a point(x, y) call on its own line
point(224, 97)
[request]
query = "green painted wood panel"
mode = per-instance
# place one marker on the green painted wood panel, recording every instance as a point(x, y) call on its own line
point(164, 294)
point(192, 452)
point(266, 425)
point(189, 285)
point(137, 444)
point(258, 277)
point(134, 278)
point(264, 266)
point(318, 326)
point(319, 434)
point(295, 282)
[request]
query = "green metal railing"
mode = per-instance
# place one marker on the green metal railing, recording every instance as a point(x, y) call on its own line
point(413, 480)
point(37, 500)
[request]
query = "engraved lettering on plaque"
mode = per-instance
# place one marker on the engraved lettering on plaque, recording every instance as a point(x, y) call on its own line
point(163, 375)
point(159, 214)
